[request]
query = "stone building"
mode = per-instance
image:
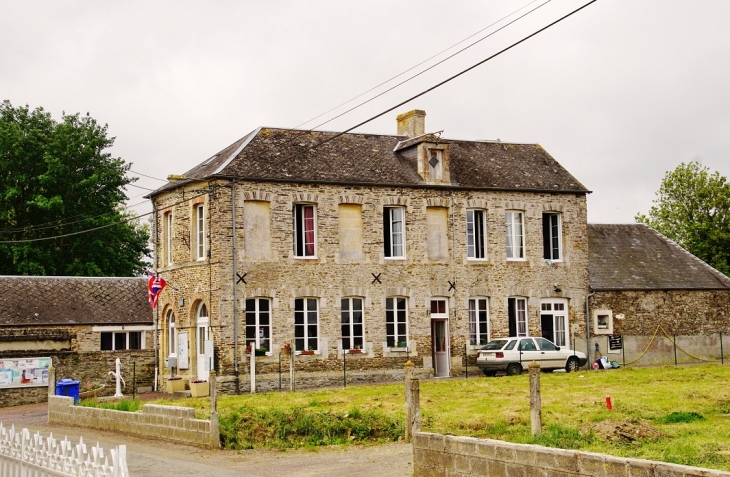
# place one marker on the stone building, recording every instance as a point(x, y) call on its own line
point(82, 324)
point(378, 247)
point(642, 279)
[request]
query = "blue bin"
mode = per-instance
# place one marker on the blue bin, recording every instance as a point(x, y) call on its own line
point(68, 387)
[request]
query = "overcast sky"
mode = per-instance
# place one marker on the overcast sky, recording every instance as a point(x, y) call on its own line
point(619, 93)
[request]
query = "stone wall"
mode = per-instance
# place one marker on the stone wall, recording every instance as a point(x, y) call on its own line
point(74, 351)
point(681, 312)
point(170, 423)
point(438, 455)
point(337, 271)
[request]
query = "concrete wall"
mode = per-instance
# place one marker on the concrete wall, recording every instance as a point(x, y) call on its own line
point(438, 455)
point(336, 272)
point(170, 423)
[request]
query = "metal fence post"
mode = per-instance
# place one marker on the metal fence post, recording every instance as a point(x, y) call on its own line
point(344, 368)
point(722, 353)
point(675, 350)
point(466, 363)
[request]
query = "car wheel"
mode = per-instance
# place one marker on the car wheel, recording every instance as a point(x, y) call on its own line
point(572, 365)
point(514, 369)
point(489, 372)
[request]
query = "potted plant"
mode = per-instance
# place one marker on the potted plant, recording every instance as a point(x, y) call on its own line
point(175, 384)
point(309, 350)
point(355, 350)
point(260, 351)
point(90, 390)
point(286, 348)
point(199, 388)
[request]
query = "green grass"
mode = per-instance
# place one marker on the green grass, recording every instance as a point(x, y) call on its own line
point(127, 405)
point(671, 414)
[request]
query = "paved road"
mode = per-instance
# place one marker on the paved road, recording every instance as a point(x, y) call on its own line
point(147, 458)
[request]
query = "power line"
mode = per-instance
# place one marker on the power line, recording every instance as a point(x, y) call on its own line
point(413, 67)
point(454, 76)
point(155, 178)
point(125, 220)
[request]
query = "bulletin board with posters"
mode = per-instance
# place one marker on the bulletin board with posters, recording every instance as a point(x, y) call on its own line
point(24, 372)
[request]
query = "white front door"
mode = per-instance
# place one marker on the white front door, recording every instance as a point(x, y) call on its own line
point(202, 336)
point(554, 320)
point(440, 338)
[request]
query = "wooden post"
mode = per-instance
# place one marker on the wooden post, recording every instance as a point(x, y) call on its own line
point(535, 399)
point(215, 437)
point(51, 381)
point(415, 405)
point(292, 386)
point(409, 374)
point(413, 413)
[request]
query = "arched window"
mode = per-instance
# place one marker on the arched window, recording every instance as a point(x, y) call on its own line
point(171, 334)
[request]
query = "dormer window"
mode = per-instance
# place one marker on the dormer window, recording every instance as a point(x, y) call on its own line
point(435, 163)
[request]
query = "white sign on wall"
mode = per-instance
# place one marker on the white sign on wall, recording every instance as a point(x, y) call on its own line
point(24, 372)
point(183, 357)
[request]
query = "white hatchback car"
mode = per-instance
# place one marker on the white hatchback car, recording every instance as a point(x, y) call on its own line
point(512, 355)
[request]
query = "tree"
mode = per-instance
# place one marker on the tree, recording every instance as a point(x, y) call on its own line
point(57, 180)
point(693, 209)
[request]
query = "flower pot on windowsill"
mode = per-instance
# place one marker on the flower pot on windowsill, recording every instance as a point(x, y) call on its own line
point(307, 351)
point(200, 389)
point(354, 351)
point(175, 385)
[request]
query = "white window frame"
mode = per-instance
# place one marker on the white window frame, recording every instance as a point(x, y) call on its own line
point(301, 322)
point(257, 314)
point(473, 232)
point(349, 307)
point(394, 241)
point(515, 239)
point(126, 330)
point(171, 334)
point(392, 315)
point(548, 235)
point(558, 307)
point(200, 232)
point(168, 237)
point(520, 316)
point(598, 317)
point(302, 233)
point(478, 309)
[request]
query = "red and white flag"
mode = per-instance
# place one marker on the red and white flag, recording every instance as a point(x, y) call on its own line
point(155, 285)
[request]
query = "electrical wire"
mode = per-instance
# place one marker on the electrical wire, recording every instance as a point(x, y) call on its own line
point(427, 69)
point(454, 76)
point(155, 178)
point(412, 67)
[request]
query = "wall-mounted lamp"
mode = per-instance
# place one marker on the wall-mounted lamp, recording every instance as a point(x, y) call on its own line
point(557, 288)
point(181, 302)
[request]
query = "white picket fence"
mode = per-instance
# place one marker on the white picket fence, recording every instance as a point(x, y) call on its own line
point(26, 455)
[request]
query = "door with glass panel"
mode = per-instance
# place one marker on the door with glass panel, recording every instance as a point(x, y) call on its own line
point(202, 335)
point(440, 338)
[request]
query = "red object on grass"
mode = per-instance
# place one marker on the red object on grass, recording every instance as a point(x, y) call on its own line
point(608, 403)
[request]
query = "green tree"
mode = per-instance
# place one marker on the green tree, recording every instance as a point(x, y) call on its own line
point(693, 209)
point(57, 180)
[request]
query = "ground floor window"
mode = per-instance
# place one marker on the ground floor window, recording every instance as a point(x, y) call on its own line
point(517, 310)
point(396, 322)
point(306, 324)
point(478, 321)
point(352, 323)
point(258, 323)
point(121, 340)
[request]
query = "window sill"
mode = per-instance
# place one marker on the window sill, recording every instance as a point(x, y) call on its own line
point(398, 350)
point(394, 258)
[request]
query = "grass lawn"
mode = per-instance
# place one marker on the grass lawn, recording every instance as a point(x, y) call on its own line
point(671, 414)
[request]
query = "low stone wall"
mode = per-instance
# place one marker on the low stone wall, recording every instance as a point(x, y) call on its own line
point(439, 455)
point(171, 423)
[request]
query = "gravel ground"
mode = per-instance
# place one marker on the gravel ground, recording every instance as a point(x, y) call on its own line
point(146, 458)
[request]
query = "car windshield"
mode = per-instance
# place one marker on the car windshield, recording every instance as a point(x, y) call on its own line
point(496, 344)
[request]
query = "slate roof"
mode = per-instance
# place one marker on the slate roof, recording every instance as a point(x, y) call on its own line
point(73, 300)
point(637, 257)
point(273, 154)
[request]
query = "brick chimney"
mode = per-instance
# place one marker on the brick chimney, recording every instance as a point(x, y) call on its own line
point(412, 123)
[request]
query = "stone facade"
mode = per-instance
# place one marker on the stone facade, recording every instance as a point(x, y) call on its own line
point(680, 312)
point(348, 260)
point(75, 353)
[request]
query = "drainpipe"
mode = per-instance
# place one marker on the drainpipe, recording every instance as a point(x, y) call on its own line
point(588, 330)
point(235, 286)
point(157, 308)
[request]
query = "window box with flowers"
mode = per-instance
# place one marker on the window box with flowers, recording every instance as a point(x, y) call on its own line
point(175, 384)
point(199, 388)
point(355, 350)
point(90, 390)
point(257, 351)
point(307, 351)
